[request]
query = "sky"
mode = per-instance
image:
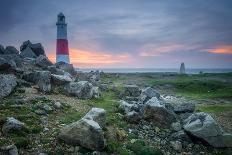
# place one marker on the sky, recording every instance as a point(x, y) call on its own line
point(126, 33)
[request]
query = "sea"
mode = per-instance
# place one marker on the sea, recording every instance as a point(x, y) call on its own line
point(156, 70)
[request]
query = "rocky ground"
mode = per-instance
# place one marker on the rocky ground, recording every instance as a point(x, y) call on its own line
point(48, 108)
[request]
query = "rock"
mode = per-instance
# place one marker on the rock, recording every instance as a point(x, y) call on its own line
point(47, 108)
point(176, 145)
point(28, 53)
point(202, 126)
point(147, 94)
point(96, 92)
point(7, 84)
point(57, 71)
point(181, 135)
point(132, 90)
point(57, 105)
point(6, 64)
point(98, 115)
point(156, 112)
point(81, 89)
point(85, 132)
point(13, 59)
point(36, 48)
point(182, 68)
point(103, 87)
point(133, 117)
point(41, 78)
point(40, 112)
point(43, 61)
point(10, 149)
point(2, 50)
point(60, 79)
point(126, 107)
point(12, 124)
point(25, 45)
point(183, 108)
point(11, 50)
point(66, 67)
point(176, 126)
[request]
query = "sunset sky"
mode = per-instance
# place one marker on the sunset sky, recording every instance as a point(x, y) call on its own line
point(126, 33)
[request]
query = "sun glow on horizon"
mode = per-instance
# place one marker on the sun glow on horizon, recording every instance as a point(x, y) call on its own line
point(82, 58)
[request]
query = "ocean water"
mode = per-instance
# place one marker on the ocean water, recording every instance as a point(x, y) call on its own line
point(155, 70)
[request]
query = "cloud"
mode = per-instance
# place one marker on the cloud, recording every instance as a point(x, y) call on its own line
point(150, 50)
point(81, 58)
point(224, 49)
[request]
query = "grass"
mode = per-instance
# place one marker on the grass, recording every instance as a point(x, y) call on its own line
point(196, 86)
point(214, 108)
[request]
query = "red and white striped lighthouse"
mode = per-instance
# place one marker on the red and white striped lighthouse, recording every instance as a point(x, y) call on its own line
point(62, 52)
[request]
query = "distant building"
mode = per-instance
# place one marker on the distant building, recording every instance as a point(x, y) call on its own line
point(182, 68)
point(62, 51)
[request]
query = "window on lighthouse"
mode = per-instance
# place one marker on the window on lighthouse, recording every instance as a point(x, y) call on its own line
point(62, 19)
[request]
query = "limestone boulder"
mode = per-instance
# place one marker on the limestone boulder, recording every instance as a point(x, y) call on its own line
point(7, 64)
point(43, 61)
point(86, 133)
point(81, 89)
point(7, 84)
point(11, 50)
point(98, 115)
point(147, 94)
point(202, 126)
point(155, 111)
point(12, 124)
point(27, 53)
point(41, 78)
point(60, 79)
point(126, 107)
point(2, 50)
point(66, 67)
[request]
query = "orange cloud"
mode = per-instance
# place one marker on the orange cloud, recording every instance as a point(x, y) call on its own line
point(82, 58)
point(226, 49)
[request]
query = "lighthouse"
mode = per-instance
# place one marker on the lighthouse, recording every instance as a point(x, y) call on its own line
point(62, 52)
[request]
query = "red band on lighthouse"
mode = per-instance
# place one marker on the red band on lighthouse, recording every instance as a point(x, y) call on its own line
point(62, 46)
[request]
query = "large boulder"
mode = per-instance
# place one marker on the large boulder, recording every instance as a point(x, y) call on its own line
point(43, 61)
point(25, 45)
point(12, 125)
point(14, 59)
point(132, 90)
point(85, 132)
point(202, 126)
point(81, 89)
point(41, 78)
point(155, 111)
point(7, 84)
point(11, 50)
point(27, 53)
point(126, 107)
point(147, 94)
point(185, 107)
point(36, 48)
point(60, 79)
point(66, 67)
point(7, 64)
point(2, 50)
point(98, 115)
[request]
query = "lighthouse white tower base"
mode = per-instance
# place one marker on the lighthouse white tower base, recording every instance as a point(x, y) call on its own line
point(64, 58)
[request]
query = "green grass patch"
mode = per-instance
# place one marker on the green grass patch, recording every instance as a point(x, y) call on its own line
point(214, 108)
point(196, 86)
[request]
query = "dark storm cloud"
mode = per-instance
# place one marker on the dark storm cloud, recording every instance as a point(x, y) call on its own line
point(123, 26)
